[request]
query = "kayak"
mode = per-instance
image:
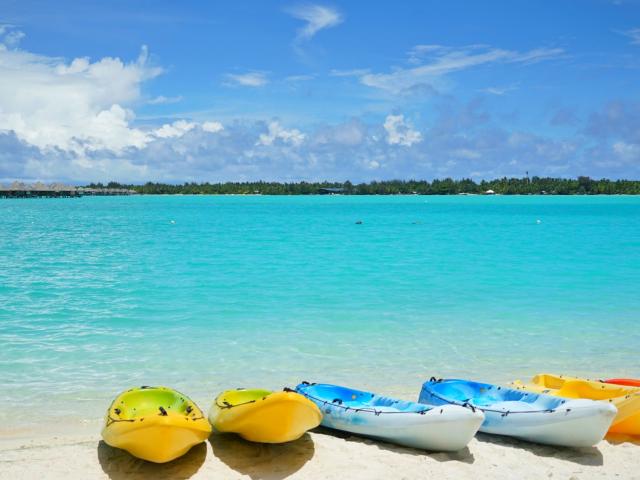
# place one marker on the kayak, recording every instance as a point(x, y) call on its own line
point(625, 399)
point(264, 416)
point(629, 382)
point(156, 424)
point(524, 415)
point(447, 428)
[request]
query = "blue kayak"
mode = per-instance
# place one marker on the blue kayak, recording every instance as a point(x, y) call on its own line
point(446, 428)
point(524, 415)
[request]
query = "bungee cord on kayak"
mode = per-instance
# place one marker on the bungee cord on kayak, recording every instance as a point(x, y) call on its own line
point(468, 403)
point(338, 403)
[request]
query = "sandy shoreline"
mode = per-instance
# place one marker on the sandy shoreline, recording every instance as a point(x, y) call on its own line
point(320, 454)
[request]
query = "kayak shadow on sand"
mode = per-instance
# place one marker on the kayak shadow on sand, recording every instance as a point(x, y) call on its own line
point(121, 465)
point(262, 461)
point(464, 455)
point(620, 438)
point(588, 456)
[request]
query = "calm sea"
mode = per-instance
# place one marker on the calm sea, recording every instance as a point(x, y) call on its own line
point(208, 293)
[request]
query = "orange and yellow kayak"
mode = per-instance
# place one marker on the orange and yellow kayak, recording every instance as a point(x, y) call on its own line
point(629, 382)
point(625, 398)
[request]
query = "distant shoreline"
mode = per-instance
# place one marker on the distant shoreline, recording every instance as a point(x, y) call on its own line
point(387, 195)
point(41, 195)
point(502, 186)
point(447, 186)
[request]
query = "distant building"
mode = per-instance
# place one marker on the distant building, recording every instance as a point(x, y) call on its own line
point(39, 189)
point(489, 192)
point(331, 191)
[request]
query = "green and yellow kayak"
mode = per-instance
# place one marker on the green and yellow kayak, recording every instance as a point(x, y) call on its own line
point(264, 416)
point(157, 424)
point(625, 398)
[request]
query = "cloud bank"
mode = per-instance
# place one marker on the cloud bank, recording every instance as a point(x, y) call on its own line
point(74, 120)
point(77, 106)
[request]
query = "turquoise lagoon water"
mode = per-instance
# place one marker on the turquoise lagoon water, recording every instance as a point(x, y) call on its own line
point(208, 293)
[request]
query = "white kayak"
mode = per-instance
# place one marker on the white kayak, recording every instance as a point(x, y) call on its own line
point(446, 428)
point(528, 416)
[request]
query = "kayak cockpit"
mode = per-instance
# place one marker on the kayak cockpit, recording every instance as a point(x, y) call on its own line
point(347, 397)
point(234, 398)
point(145, 401)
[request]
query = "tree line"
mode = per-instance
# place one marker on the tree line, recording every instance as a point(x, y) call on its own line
point(446, 186)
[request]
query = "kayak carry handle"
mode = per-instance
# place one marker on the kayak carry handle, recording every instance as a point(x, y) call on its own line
point(337, 400)
point(468, 405)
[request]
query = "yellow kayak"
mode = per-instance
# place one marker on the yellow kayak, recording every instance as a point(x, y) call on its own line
point(625, 399)
point(264, 416)
point(154, 423)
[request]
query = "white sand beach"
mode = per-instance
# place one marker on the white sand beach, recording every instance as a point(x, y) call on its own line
point(318, 455)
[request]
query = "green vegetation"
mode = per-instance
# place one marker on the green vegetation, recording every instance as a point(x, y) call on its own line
point(447, 186)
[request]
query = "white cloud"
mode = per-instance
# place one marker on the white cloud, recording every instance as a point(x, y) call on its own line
point(212, 127)
point(179, 128)
point(317, 17)
point(10, 36)
point(466, 153)
point(162, 100)
point(400, 132)
point(441, 61)
point(349, 134)
point(626, 151)
point(251, 79)
point(418, 52)
point(354, 72)
point(299, 78)
point(277, 132)
point(499, 91)
point(78, 106)
point(536, 55)
point(109, 129)
point(176, 129)
point(633, 34)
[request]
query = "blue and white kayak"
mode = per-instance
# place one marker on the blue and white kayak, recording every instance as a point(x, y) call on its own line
point(446, 428)
point(524, 415)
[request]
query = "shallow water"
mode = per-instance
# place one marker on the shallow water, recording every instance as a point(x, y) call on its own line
point(208, 293)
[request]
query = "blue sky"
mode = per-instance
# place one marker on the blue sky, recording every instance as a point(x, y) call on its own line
point(246, 90)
